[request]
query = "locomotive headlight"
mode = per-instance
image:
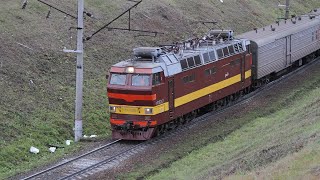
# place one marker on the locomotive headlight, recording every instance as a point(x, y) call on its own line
point(130, 70)
point(148, 110)
point(112, 109)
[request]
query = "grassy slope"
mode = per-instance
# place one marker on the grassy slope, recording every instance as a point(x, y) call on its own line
point(294, 125)
point(41, 112)
point(241, 143)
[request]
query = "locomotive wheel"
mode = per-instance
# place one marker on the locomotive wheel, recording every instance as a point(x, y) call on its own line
point(160, 130)
point(193, 115)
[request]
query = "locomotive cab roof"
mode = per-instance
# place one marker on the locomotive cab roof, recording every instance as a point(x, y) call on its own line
point(216, 45)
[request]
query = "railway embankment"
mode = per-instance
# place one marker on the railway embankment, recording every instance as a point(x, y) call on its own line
point(274, 135)
point(37, 80)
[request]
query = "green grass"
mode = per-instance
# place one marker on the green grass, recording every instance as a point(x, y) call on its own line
point(299, 165)
point(49, 126)
point(260, 142)
point(240, 143)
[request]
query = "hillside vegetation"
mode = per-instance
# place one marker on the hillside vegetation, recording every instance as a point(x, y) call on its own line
point(280, 141)
point(37, 80)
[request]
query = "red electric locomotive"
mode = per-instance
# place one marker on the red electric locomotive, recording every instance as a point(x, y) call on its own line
point(164, 86)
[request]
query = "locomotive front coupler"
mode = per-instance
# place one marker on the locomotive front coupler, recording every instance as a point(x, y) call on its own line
point(129, 126)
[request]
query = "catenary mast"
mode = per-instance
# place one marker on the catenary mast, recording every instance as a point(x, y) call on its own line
point(79, 74)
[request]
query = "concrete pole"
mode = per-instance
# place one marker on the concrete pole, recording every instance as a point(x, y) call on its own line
point(287, 9)
point(79, 74)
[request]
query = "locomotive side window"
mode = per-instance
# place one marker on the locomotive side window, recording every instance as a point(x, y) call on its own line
point(212, 56)
point(206, 57)
point(231, 50)
point(235, 62)
point(225, 51)
point(156, 79)
point(207, 72)
point(197, 60)
point(189, 78)
point(220, 54)
point(192, 78)
point(140, 80)
point(191, 62)
point(118, 79)
point(184, 64)
point(210, 71)
point(185, 79)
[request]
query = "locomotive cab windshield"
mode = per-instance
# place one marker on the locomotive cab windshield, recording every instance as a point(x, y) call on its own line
point(118, 79)
point(135, 79)
point(140, 80)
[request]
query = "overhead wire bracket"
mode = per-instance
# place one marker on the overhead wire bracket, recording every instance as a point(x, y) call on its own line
point(51, 6)
point(123, 29)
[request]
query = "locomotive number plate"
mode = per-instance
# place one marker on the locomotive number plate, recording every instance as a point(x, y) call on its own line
point(130, 110)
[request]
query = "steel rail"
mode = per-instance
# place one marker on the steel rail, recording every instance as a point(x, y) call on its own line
point(104, 161)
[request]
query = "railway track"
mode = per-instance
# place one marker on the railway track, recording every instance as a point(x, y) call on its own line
point(81, 165)
point(111, 154)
